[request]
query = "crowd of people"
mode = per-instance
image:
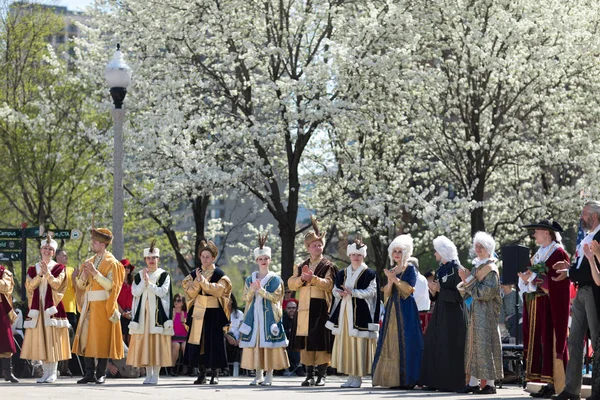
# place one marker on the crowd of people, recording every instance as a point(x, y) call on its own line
point(346, 320)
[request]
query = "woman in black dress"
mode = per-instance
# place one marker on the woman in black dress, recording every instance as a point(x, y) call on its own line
point(443, 367)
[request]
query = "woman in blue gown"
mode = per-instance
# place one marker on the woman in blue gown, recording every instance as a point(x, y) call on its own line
point(397, 360)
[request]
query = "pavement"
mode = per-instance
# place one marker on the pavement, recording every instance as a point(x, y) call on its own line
point(181, 388)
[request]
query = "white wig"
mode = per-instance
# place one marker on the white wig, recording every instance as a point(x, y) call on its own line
point(445, 248)
point(486, 240)
point(404, 242)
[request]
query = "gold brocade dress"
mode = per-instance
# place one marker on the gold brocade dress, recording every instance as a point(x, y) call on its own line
point(46, 343)
point(352, 355)
point(149, 349)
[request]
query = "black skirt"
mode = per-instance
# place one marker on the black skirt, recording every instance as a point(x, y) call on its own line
point(319, 338)
point(212, 341)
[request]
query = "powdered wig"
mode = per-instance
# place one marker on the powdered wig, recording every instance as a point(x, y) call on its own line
point(486, 240)
point(445, 248)
point(404, 242)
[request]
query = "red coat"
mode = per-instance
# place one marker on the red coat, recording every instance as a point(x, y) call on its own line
point(545, 324)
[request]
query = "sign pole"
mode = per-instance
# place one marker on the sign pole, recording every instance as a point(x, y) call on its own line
point(23, 261)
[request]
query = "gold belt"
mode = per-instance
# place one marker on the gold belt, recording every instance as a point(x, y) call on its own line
point(316, 293)
point(207, 301)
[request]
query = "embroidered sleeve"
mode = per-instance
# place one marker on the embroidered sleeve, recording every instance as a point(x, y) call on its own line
point(273, 297)
point(216, 289)
point(32, 283)
point(191, 287)
point(105, 282)
point(404, 289)
point(161, 291)
point(367, 293)
point(295, 282)
point(248, 294)
point(485, 290)
point(6, 283)
point(55, 283)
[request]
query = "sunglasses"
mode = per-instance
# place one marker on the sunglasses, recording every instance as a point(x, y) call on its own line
point(178, 300)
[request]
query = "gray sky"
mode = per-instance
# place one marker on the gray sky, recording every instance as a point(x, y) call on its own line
point(74, 5)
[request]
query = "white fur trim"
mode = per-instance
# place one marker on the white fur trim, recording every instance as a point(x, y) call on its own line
point(265, 251)
point(155, 253)
point(274, 330)
point(373, 327)
point(30, 323)
point(168, 328)
point(33, 313)
point(329, 325)
point(133, 327)
point(404, 242)
point(351, 249)
point(445, 248)
point(49, 312)
point(115, 317)
point(61, 323)
point(245, 329)
point(53, 244)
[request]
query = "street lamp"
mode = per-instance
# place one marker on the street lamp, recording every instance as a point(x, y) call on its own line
point(118, 77)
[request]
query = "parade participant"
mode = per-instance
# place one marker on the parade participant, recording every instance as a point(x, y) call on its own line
point(125, 299)
point(584, 308)
point(99, 282)
point(46, 325)
point(546, 311)
point(483, 354)
point(444, 356)
point(313, 280)
point(207, 293)
point(7, 317)
point(70, 305)
point(263, 339)
point(151, 326)
point(354, 317)
point(397, 360)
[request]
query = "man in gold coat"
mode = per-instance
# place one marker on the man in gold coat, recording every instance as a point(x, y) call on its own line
point(313, 280)
point(99, 282)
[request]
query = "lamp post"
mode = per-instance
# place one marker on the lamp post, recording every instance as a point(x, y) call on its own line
point(118, 77)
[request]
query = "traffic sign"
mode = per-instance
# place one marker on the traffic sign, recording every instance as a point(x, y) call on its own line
point(32, 232)
point(10, 233)
point(10, 245)
point(65, 234)
point(10, 256)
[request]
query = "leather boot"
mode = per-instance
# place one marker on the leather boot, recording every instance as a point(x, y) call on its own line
point(310, 377)
point(201, 376)
point(7, 371)
point(101, 370)
point(214, 377)
point(321, 375)
point(88, 377)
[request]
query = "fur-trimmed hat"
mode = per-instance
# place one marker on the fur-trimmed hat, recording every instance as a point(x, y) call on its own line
point(262, 250)
point(49, 242)
point(209, 246)
point(486, 240)
point(445, 248)
point(102, 235)
point(358, 247)
point(152, 251)
point(404, 242)
point(314, 234)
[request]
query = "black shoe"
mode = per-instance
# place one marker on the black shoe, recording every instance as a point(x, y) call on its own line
point(7, 370)
point(545, 393)
point(429, 389)
point(564, 395)
point(201, 380)
point(310, 377)
point(321, 375)
point(86, 379)
point(214, 379)
point(469, 389)
point(488, 390)
point(100, 380)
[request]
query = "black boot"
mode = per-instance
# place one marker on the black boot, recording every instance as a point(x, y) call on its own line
point(88, 377)
point(321, 375)
point(201, 376)
point(214, 376)
point(310, 376)
point(7, 371)
point(101, 370)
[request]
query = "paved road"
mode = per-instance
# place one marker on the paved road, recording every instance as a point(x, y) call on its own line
point(181, 388)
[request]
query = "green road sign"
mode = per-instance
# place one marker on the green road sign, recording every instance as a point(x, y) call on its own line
point(32, 232)
point(10, 233)
point(10, 256)
point(10, 245)
point(65, 234)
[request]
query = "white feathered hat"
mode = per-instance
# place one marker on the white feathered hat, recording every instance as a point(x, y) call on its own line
point(358, 247)
point(262, 250)
point(486, 240)
point(404, 242)
point(445, 248)
point(49, 242)
point(152, 251)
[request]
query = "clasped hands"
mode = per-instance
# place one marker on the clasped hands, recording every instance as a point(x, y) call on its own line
point(307, 274)
point(589, 250)
point(88, 270)
point(199, 277)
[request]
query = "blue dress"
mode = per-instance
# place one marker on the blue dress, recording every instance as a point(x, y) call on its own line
point(397, 360)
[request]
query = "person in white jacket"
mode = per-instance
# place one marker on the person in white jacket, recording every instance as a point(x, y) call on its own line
point(151, 327)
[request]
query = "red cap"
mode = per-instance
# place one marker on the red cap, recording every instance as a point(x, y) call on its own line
point(126, 264)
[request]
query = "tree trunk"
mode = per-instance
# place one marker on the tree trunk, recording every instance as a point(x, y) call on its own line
point(199, 208)
point(288, 236)
point(477, 221)
point(379, 250)
point(182, 263)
